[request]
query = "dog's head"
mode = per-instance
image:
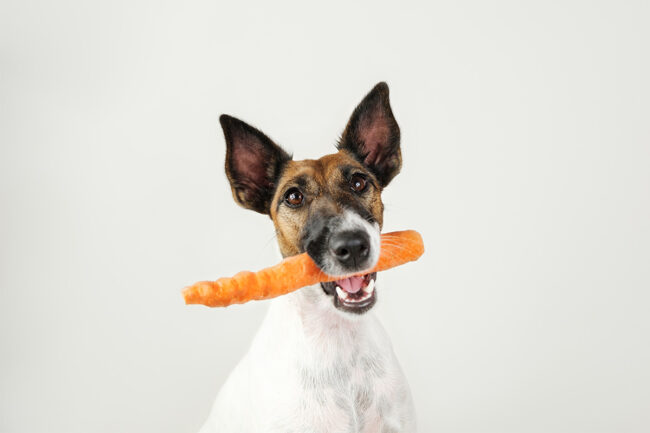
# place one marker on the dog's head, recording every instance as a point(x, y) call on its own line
point(331, 207)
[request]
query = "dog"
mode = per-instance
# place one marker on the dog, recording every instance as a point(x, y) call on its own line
point(321, 362)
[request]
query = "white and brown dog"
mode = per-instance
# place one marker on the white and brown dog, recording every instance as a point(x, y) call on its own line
point(321, 362)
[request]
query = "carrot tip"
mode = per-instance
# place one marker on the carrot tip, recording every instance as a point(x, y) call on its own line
point(196, 294)
point(190, 295)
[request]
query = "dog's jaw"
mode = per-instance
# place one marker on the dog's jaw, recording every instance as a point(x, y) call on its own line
point(357, 302)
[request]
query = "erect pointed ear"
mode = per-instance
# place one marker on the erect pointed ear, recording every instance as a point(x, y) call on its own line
point(253, 164)
point(372, 135)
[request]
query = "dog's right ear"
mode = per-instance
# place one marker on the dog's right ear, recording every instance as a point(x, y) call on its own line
point(372, 135)
point(253, 164)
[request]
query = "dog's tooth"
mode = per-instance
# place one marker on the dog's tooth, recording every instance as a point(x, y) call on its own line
point(341, 292)
point(370, 287)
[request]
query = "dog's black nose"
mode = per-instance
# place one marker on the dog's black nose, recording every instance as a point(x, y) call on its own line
point(350, 248)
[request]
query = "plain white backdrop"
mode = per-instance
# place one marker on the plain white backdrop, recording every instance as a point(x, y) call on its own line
point(526, 144)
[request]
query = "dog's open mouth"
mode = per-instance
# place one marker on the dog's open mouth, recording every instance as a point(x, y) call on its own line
point(353, 294)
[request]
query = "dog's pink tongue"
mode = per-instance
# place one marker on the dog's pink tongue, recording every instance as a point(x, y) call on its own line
point(351, 285)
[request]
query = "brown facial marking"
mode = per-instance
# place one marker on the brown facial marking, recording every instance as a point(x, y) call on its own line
point(326, 191)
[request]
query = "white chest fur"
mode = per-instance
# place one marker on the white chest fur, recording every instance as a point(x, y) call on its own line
point(310, 369)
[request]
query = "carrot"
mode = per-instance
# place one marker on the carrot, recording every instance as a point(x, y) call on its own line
point(295, 272)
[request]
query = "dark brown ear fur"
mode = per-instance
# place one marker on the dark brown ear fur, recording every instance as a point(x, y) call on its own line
point(372, 135)
point(253, 164)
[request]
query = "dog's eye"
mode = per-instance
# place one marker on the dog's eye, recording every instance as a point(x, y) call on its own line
point(358, 183)
point(293, 197)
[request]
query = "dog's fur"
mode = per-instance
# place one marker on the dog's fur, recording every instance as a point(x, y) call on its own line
point(319, 363)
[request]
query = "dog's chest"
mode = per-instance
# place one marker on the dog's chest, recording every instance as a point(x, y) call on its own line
point(334, 376)
point(309, 371)
point(354, 394)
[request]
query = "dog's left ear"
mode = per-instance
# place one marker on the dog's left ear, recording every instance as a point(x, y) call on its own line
point(372, 135)
point(253, 164)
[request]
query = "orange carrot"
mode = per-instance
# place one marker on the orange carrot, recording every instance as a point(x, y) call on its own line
point(295, 272)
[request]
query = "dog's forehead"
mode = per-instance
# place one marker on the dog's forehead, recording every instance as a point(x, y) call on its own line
point(333, 162)
point(319, 171)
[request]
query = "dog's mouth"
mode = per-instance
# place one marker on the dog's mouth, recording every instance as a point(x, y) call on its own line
point(353, 294)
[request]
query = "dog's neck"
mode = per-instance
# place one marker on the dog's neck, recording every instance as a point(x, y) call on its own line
point(320, 332)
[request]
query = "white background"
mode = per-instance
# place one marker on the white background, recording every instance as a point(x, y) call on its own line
point(526, 148)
